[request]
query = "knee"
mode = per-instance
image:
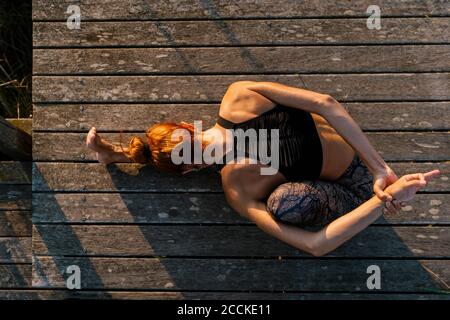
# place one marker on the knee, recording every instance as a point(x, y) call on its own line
point(290, 202)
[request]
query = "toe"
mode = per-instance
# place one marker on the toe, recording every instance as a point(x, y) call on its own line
point(90, 139)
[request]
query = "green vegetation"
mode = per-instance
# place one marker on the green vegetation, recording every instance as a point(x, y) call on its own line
point(15, 58)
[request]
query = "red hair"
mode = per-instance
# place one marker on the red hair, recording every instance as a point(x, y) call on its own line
point(158, 148)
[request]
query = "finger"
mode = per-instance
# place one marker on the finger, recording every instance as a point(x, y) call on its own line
point(422, 177)
point(431, 175)
point(383, 196)
point(390, 208)
point(415, 183)
point(378, 190)
point(412, 176)
point(388, 196)
point(397, 204)
point(403, 204)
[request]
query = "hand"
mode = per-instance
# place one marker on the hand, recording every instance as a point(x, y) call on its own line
point(406, 187)
point(391, 207)
point(381, 180)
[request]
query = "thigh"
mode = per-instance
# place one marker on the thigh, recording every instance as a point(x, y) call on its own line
point(310, 203)
point(358, 179)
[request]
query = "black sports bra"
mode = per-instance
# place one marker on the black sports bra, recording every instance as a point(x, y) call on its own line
point(300, 149)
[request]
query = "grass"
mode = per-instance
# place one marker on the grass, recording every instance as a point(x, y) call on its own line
point(15, 58)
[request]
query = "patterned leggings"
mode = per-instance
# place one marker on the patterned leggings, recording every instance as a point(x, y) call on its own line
point(317, 203)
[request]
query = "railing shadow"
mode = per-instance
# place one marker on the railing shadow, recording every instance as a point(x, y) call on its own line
point(390, 242)
point(40, 273)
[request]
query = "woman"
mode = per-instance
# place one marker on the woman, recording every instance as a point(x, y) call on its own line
point(327, 166)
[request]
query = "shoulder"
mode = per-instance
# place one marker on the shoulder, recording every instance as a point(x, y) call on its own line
point(244, 180)
point(234, 175)
point(240, 103)
point(242, 84)
point(239, 90)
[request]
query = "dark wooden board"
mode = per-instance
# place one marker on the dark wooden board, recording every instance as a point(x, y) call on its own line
point(14, 143)
point(192, 208)
point(46, 294)
point(86, 177)
point(15, 197)
point(15, 249)
point(221, 9)
point(209, 88)
point(111, 117)
point(391, 146)
point(23, 124)
point(137, 9)
point(15, 172)
point(242, 33)
point(15, 275)
point(228, 241)
point(15, 223)
point(318, 59)
point(243, 274)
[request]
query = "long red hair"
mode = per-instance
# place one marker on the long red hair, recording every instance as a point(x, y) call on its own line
point(160, 144)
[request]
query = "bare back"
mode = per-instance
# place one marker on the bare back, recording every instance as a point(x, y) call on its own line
point(240, 104)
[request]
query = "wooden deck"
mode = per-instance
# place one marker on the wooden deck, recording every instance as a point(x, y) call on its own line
point(138, 233)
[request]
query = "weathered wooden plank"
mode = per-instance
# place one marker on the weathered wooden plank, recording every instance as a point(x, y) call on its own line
point(191, 209)
point(242, 274)
point(72, 176)
point(405, 146)
point(215, 9)
point(110, 117)
point(227, 241)
point(441, 183)
point(45, 294)
point(15, 197)
point(22, 123)
point(15, 275)
point(209, 88)
point(15, 223)
point(414, 146)
point(15, 249)
point(401, 116)
point(86, 177)
point(14, 143)
point(242, 33)
point(15, 172)
point(327, 59)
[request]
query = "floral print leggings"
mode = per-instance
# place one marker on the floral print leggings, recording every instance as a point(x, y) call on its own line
point(317, 203)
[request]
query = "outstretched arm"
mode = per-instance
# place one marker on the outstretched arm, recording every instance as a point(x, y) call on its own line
point(336, 233)
point(339, 118)
point(320, 242)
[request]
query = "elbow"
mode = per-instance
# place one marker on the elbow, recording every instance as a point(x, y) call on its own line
point(317, 248)
point(318, 252)
point(327, 104)
point(326, 100)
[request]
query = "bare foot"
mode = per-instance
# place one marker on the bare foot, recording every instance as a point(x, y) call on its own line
point(105, 151)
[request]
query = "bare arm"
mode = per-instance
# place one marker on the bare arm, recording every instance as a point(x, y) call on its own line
point(339, 118)
point(336, 233)
point(316, 243)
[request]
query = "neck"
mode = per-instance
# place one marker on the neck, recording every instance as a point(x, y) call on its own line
point(216, 138)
